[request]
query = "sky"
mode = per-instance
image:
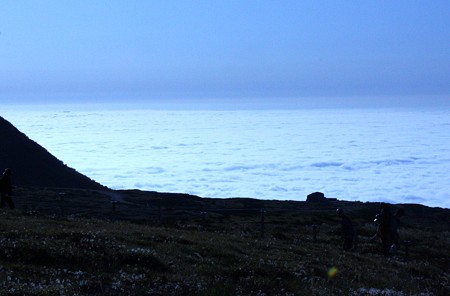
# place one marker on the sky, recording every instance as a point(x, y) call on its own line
point(271, 53)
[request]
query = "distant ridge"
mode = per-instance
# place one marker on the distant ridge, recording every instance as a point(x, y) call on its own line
point(33, 165)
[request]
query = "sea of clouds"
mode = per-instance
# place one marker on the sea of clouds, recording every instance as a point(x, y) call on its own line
point(398, 156)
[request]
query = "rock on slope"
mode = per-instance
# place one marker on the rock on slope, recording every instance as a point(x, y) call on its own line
point(32, 165)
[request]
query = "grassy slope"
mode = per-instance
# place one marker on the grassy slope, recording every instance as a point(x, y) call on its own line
point(49, 246)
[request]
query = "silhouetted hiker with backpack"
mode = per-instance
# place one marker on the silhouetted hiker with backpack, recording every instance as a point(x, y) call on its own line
point(384, 230)
point(395, 220)
point(6, 189)
point(348, 232)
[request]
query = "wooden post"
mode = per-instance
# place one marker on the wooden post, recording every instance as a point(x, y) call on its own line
point(203, 218)
point(262, 222)
point(113, 206)
point(314, 230)
point(159, 210)
point(407, 243)
point(61, 199)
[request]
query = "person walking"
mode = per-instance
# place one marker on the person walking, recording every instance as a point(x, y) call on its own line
point(384, 230)
point(348, 231)
point(395, 220)
point(6, 189)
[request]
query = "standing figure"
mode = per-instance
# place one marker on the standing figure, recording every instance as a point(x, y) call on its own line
point(348, 231)
point(394, 230)
point(6, 189)
point(384, 230)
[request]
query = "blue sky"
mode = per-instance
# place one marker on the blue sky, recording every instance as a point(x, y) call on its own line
point(256, 51)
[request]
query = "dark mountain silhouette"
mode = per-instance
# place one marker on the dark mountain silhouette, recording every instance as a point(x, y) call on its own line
point(32, 165)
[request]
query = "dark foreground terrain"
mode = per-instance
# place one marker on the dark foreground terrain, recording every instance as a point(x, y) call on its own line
point(88, 242)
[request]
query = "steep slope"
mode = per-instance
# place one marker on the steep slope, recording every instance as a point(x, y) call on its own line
point(32, 165)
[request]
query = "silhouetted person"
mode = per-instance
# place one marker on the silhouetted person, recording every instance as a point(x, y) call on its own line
point(348, 232)
point(6, 189)
point(395, 220)
point(384, 230)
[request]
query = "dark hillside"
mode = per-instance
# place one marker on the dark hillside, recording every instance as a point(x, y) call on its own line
point(32, 165)
point(78, 242)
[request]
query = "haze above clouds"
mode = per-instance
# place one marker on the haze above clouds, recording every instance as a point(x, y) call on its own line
point(238, 52)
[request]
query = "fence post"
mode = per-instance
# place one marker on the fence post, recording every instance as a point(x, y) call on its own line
point(113, 206)
point(61, 199)
point(203, 219)
point(407, 243)
point(314, 230)
point(159, 211)
point(262, 222)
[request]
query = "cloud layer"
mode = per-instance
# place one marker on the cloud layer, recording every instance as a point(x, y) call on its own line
point(366, 155)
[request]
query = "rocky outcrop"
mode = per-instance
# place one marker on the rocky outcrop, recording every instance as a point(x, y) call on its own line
point(33, 165)
point(316, 197)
